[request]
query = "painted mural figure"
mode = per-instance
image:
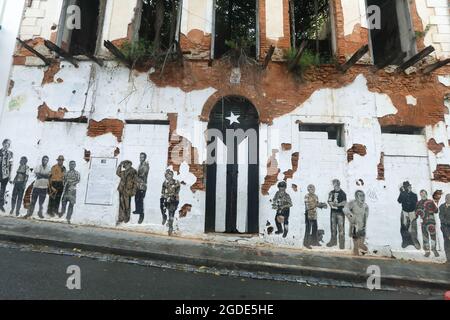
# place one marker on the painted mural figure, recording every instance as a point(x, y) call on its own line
point(20, 182)
point(357, 212)
point(170, 197)
point(444, 216)
point(56, 187)
point(408, 222)
point(127, 189)
point(71, 180)
point(142, 177)
point(311, 205)
point(282, 203)
point(40, 187)
point(6, 162)
point(426, 209)
point(337, 200)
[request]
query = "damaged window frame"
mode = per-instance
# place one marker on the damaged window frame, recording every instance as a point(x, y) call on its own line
point(403, 130)
point(137, 25)
point(317, 52)
point(213, 31)
point(63, 21)
point(407, 36)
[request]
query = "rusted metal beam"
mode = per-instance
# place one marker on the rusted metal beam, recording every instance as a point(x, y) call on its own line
point(354, 59)
point(268, 57)
point(435, 66)
point(95, 59)
point(389, 60)
point(36, 53)
point(117, 53)
point(67, 56)
point(416, 58)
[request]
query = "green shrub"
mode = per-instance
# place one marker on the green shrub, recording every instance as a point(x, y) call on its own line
point(138, 51)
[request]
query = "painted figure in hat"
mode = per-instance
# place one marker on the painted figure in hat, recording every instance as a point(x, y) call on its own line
point(357, 212)
point(6, 162)
point(282, 203)
point(71, 179)
point(56, 186)
point(20, 182)
point(40, 187)
point(408, 220)
point(170, 198)
point(337, 200)
point(127, 188)
point(426, 209)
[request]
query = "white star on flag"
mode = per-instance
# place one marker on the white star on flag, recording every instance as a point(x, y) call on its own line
point(233, 118)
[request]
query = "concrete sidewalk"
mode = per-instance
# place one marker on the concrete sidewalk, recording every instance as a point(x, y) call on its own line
point(329, 269)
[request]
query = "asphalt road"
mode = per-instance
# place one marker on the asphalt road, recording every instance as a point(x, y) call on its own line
point(35, 275)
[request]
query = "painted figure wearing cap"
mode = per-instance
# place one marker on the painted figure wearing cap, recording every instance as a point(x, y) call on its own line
point(408, 218)
point(56, 186)
point(170, 198)
point(127, 188)
point(40, 187)
point(426, 209)
point(282, 203)
point(71, 179)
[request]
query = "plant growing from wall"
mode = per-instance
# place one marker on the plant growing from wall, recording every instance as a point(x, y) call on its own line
point(139, 51)
point(307, 60)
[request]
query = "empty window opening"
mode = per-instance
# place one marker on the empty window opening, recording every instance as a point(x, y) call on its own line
point(403, 130)
point(158, 26)
point(394, 41)
point(82, 38)
point(311, 22)
point(335, 131)
point(235, 27)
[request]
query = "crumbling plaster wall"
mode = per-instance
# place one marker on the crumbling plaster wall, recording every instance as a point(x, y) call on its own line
point(359, 99)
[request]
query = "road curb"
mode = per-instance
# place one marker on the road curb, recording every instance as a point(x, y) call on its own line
point(357, 279)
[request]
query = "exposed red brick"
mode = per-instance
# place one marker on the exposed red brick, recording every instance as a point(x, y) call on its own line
point(289, 174)
point(434, 146)
point(442, 173)
point(286, 146)
point(272, 173)
point(98, 128)
point(184, 210)
point(49, 74)
point(196, 42)
point(19, 61)
point(380, 168)
point(181, 149)
point(358, 149)
point(45, 113)
point(282, 93)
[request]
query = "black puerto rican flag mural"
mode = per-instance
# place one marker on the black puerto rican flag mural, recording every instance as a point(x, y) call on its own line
point(232, 175)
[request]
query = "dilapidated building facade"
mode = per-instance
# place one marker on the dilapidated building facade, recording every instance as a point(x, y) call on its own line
point(330, 91)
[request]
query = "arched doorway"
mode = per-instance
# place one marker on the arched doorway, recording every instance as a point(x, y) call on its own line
point(232, 174)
